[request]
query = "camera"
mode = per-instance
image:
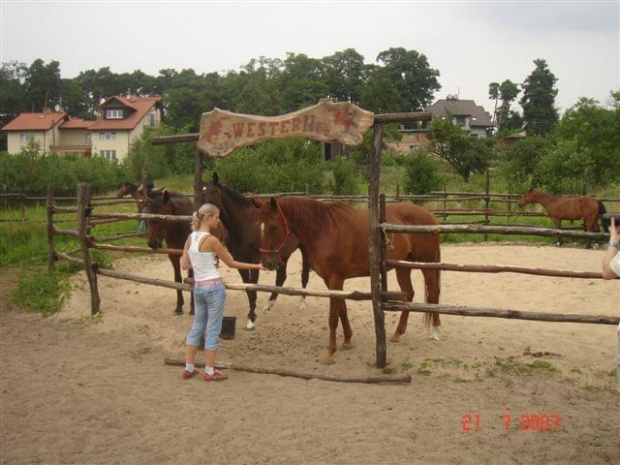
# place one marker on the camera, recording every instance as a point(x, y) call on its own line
point(608, 216)
point(607, 219)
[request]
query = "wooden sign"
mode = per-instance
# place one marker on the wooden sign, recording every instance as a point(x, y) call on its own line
point(222, 131)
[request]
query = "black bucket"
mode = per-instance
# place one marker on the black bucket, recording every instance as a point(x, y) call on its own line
point(228, 327)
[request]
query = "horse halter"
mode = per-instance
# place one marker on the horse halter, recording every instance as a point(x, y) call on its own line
point(287, 233)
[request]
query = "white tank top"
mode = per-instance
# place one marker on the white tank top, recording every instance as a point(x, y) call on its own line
point(203, 263)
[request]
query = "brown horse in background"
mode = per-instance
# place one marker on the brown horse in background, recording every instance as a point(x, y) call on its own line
point(568, 208)
point(175, 234)
point(239, 214)
point(336, 238)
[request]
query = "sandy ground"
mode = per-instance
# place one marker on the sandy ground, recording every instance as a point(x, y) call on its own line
point(82, 391)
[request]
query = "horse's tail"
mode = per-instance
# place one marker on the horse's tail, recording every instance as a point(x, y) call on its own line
point(601, 211)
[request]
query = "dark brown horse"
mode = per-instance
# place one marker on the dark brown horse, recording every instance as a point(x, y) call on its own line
point(336, 238)
point(138, 194)
point(568, 208)
point(175, 234)
point(240, 217)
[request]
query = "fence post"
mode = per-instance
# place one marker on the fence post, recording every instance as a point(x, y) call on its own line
point(198, 168)
point(307, 190)
point(487, 201)
point(397, 193)
point(51, 255)
point(445, 203)
point(383, 242)
point(83, 208)
point(375, 246)
point(4, 197)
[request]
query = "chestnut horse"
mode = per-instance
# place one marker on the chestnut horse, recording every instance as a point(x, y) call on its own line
point(175, 234)
point(568, 208)
point(239, 214)
point(336, 238)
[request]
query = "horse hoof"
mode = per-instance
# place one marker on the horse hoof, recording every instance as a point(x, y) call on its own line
point(346, 346)
point(178, 312)
point(434, 336)
point(327, 361)
point(269, 305)
point(250, 326)
point(302, 304)
point(395, 338)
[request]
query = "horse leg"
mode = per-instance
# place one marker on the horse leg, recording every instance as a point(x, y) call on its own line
point(190, 273)
point(176, 264)
point(335, 312)
point(248, 277)
point(403, 276)
point(280, 278)
point(591, 226)
point(558, 225)
point(431, 284)
point(305, 275)
point(346, 326)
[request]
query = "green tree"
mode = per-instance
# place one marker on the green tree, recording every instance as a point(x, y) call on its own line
point(301, 82)
point(508, 92)
point(465, 154)
point(12, 94)
point(411, 75)
point(380, 95)
point(520, 160)
point(344, 75)
point(538, 100)
point(595, 132)
point(494, 95)
point(562, 169)
point(43, 84)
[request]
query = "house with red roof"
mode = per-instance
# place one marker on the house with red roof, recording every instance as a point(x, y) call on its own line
point(122, 120)
point(42, 128)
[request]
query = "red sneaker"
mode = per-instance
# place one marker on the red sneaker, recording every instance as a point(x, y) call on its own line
point(216, 376)
point(188, 374)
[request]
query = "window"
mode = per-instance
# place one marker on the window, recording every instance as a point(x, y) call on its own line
point(152, 120)
point(114, 114)
point(108, 154)
point(107, 136)
point(25, 138)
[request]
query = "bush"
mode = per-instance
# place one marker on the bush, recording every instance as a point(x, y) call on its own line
point(344, 179)
point(275, 166)
point(422, 174)
point(161, 160)
point(30, 173)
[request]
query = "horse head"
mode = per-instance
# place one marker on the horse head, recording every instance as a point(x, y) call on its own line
point(126, 188)
point(212, 192)
point(275, 233)
point(160, 204)
point(528, 197)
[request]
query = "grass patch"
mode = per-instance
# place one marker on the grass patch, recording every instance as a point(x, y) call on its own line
point(41, 292)
point(513, 366)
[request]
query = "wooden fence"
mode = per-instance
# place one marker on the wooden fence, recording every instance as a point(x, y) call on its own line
point(88, 218)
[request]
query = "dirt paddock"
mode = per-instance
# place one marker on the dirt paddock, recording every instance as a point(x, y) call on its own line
point(77, 390)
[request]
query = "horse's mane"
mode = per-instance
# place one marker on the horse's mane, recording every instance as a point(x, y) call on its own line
point(320, 212)
point(235, 196)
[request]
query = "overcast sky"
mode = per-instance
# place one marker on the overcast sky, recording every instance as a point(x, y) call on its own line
point(470, 43)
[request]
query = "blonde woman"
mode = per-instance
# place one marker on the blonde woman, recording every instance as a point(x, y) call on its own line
point(199, 253)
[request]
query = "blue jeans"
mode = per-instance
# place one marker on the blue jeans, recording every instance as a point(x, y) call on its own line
point(208, 314)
